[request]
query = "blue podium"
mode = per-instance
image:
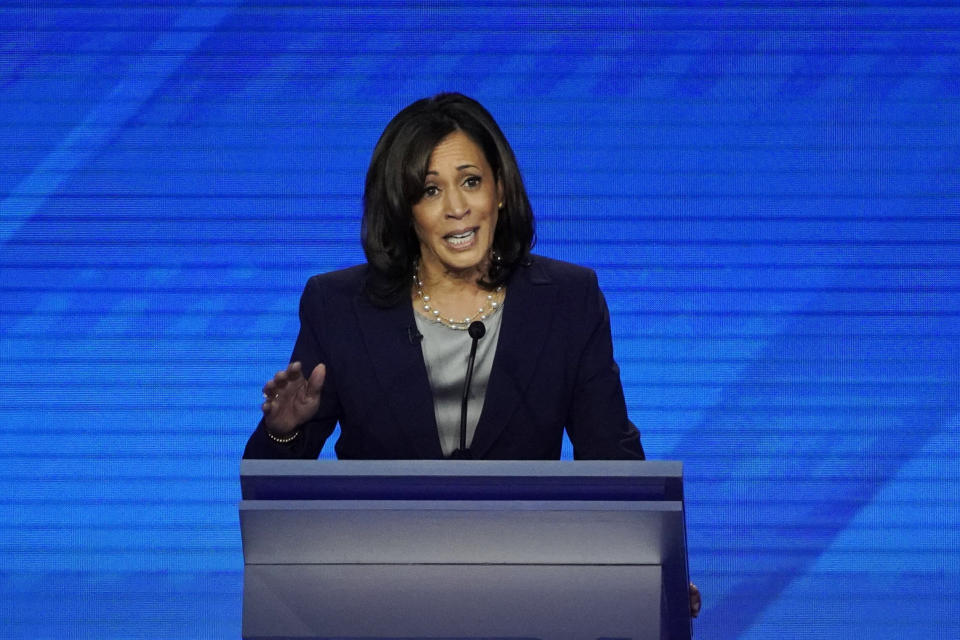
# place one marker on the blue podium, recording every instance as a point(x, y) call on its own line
point(463, 549)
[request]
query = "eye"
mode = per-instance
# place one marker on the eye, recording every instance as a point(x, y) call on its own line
point(472, 182)
point(430, 190)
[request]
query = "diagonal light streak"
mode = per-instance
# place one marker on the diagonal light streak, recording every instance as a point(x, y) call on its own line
point(104, 120)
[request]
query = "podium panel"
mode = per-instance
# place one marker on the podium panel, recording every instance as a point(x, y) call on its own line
point(444, 549)
point(445, 601)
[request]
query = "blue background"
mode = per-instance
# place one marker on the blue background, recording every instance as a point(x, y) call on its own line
point(767, 190)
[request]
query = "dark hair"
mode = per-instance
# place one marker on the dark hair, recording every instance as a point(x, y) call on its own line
point(394, 184)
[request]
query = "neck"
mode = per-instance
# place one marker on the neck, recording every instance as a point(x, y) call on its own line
point(444, 281)
point(454, 299)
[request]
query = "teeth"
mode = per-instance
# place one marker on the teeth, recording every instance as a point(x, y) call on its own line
point(460, 238)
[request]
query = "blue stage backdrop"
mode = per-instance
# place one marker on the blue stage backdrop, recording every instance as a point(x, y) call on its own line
point(769, 192)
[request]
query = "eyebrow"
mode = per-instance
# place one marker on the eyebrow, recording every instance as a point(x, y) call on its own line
point(460, 168)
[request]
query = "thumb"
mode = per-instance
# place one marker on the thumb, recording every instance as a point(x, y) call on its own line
point(315, 381)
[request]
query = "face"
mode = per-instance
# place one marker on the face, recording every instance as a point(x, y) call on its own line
point(457, 213)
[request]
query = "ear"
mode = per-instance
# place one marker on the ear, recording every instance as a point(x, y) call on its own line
point(499, 190)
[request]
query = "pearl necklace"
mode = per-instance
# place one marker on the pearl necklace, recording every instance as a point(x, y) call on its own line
point(484, 312)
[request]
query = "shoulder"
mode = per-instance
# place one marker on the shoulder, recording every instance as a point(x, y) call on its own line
point(340, 283)
point(574, 291)
point(543, 270)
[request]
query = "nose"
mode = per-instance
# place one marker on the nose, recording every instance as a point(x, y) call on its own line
point(456, 204)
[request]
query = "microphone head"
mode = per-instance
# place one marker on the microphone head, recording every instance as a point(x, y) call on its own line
point(476, 329)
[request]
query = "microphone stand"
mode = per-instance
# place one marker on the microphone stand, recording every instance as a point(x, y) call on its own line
point(476, 331)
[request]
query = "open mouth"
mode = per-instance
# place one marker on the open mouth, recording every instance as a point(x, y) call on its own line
point(461, 239)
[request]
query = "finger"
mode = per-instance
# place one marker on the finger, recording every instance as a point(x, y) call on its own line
point(270, 404)
point(293, 374)
point(315, 382)
point(270, 388)
point(273, 389)
point(696, 601)
point(281, 383)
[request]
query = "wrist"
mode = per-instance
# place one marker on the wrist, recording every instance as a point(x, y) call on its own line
point(283, 438)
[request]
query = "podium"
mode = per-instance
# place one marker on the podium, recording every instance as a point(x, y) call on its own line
point(464, 550)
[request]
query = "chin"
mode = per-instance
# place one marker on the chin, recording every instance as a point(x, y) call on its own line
point(465, 262)
point(465, 267)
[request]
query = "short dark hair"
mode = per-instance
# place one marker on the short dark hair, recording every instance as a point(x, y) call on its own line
point(395, 181)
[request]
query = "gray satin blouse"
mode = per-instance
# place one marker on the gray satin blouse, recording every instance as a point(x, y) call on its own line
point(446, 352)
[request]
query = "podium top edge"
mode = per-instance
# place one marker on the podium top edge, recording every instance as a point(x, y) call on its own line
point(465, 468)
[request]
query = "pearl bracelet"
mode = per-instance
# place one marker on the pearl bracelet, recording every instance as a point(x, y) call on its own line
point(283, 440)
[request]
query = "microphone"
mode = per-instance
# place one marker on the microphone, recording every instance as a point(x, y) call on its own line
point(476, 331)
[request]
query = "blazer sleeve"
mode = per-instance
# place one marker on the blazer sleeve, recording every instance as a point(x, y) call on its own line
point(597, 421)
point(310, 350)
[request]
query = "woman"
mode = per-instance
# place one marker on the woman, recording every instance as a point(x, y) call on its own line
point(447, 232)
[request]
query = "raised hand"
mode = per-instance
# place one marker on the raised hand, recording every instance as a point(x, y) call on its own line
point(696, 601)
point(290, 400)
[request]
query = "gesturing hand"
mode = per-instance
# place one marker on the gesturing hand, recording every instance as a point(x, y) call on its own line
point(696, 601)
point(290, 400)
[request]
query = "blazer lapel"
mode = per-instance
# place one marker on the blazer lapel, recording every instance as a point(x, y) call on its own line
point(398, 365)
point(527, 318)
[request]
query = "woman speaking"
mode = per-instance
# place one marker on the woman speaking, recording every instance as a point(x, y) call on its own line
point(453, 340)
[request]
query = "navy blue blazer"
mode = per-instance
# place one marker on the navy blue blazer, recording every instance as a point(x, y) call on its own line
point(553, 369)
